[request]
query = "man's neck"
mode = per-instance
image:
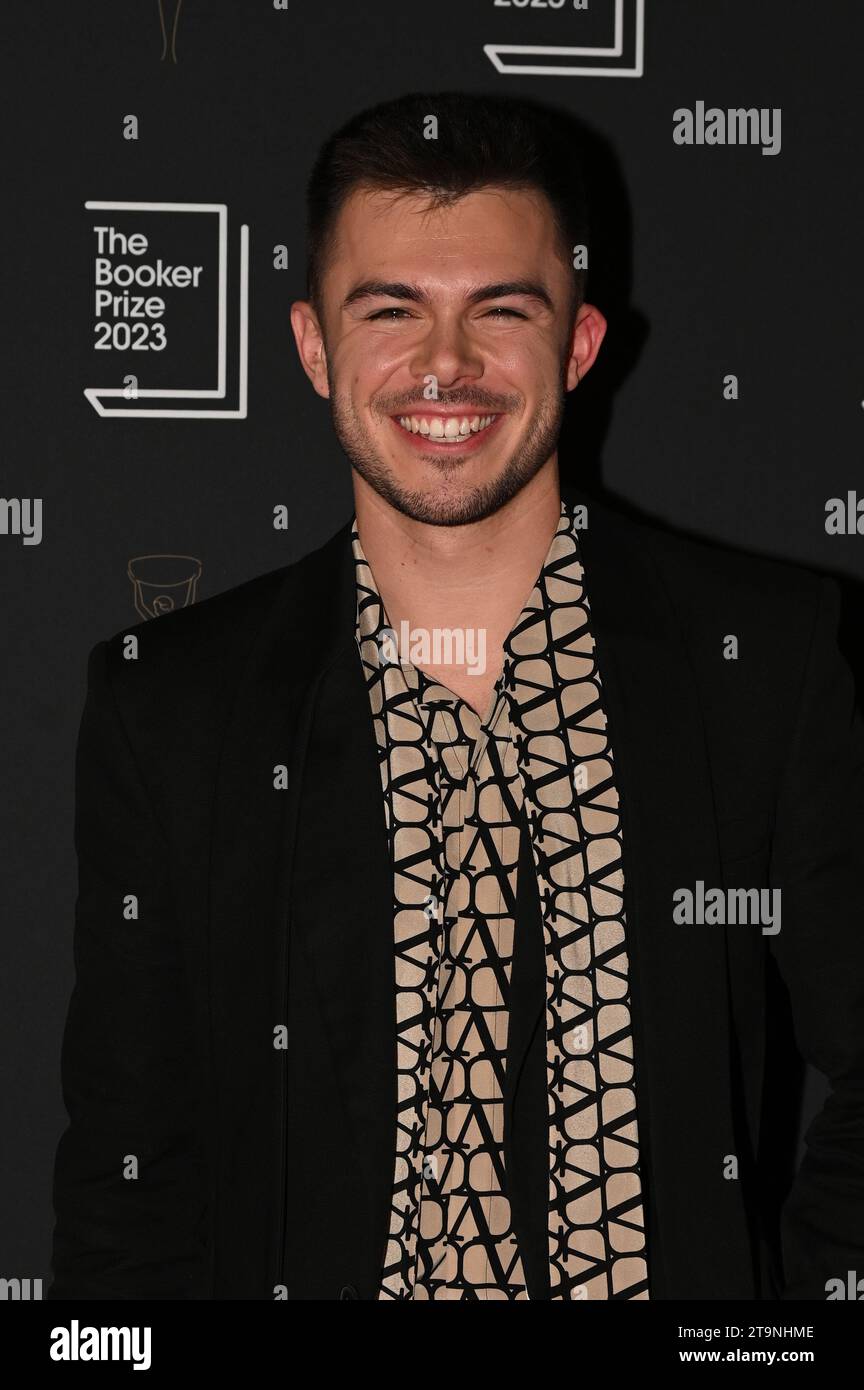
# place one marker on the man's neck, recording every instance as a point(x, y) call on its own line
point(471, 580)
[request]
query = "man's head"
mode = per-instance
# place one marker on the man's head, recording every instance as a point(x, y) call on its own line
point(445, 319)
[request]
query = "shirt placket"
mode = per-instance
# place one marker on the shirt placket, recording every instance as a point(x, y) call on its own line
point(451, 752)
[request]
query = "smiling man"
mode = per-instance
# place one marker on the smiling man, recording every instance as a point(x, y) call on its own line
point(405, 1009)
point(447, 386)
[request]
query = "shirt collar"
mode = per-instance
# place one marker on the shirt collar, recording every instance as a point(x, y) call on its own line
point(382, 661)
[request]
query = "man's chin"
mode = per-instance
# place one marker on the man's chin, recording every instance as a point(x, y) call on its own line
point(445, 509)
point(449, 499)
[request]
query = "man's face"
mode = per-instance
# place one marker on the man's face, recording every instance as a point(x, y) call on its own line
point(446, 347)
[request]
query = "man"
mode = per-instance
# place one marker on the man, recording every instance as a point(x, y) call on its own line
point(428, 885)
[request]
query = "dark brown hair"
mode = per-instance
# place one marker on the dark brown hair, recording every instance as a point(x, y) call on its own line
point(482, 141)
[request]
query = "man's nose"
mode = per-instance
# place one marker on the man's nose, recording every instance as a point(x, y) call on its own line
point(447, 353)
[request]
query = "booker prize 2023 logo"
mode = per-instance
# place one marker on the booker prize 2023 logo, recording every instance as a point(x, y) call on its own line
point(166, 339)
point(568, 38)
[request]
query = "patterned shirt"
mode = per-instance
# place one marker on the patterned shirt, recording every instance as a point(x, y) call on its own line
point(454, 786)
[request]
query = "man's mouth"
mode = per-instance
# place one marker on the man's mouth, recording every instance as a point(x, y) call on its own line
point(446, 430)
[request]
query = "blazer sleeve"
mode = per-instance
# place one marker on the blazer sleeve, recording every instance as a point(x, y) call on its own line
point(130, 1190)
point(817, 861)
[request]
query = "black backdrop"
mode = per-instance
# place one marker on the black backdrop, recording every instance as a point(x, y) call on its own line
point(711, 261)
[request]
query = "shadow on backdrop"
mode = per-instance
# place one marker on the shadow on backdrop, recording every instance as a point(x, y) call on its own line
point(586, 422)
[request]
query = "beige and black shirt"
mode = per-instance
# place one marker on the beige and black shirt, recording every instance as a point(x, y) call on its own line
point(454, 787)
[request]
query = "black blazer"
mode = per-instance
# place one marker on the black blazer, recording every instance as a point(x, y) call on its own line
point(265, 1171)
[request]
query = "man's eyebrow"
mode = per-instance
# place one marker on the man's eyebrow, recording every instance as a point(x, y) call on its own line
point(396, 289)
point(533, 289)
point(392, 289)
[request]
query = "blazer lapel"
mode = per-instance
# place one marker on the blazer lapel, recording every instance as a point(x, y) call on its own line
point(301, 704)
point(680, 1008)
point(342, 907)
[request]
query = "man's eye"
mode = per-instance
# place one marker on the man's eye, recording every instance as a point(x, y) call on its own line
point(393, 313)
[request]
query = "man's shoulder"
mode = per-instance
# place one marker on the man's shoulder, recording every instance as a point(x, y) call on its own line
point(214, 634)
point(212, 630)
point(701, 575)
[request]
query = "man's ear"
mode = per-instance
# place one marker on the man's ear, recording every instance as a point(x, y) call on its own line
point(310, 345)
point(589, 330)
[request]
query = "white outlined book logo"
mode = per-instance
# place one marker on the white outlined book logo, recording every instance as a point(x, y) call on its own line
point(146, 295)
point(612, 34)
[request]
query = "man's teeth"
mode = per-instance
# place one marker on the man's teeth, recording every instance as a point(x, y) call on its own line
point(451, 428)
